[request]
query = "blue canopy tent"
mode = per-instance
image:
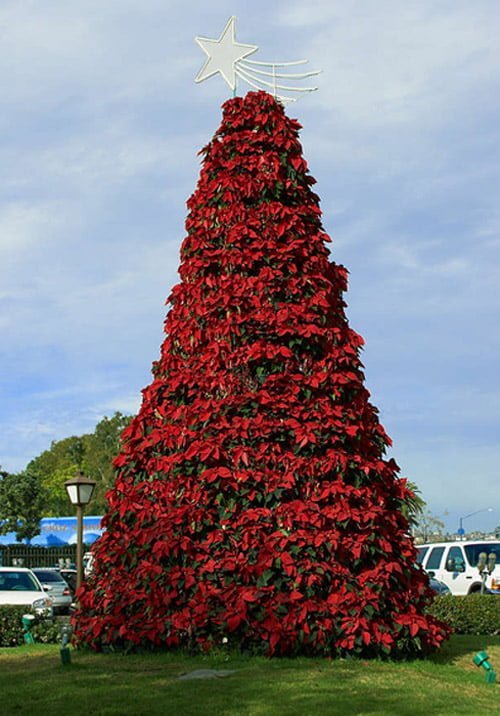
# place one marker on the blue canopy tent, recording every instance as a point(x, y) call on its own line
point(47, 540)
point(59, 531)
point(88, 537)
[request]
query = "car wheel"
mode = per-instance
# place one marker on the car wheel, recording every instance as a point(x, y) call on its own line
point(475, 589)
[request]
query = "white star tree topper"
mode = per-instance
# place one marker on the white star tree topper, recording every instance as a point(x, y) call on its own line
point(228, 58)
point(223, 54)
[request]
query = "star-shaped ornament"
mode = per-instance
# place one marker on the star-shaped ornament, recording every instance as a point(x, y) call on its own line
point(223, 54)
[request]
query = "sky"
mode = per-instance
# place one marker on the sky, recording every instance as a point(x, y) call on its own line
point(100, 126)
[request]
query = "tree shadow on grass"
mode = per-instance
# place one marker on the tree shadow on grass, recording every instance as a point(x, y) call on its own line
point(114, 685)
point(461, 645)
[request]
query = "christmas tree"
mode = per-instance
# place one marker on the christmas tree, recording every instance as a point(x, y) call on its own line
point(253, 504)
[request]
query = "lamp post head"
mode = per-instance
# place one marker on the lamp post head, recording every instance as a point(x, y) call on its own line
point(80, 489)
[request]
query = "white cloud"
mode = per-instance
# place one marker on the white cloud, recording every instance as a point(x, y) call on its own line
point(23, 224)
point(453, 476)
point(126, 404)
point(98, 51)
point(391, 61)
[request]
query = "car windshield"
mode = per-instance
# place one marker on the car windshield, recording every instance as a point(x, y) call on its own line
point(473, 551)
point(18, 581)
point(45, 575)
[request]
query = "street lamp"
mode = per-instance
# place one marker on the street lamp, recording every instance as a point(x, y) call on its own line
point(461, 530)
point(80, 490)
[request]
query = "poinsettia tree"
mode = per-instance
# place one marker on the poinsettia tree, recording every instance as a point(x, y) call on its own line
point(253, 503)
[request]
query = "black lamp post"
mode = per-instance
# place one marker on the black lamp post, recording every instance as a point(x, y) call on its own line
point(80, 490)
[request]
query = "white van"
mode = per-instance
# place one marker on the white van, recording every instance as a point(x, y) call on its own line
point(455, 564)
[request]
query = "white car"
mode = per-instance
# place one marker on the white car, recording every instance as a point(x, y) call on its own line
point(20, 587)
point(455, 564)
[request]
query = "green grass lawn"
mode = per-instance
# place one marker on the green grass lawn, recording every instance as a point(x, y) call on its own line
point(33, 681)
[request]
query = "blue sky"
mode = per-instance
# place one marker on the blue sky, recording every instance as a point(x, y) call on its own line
point(100, 125)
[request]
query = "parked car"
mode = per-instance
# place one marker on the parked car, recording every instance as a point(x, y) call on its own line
point(69, 575)
point(455, 564)
point(56, 585)
point(438, 587)
point(19, 586)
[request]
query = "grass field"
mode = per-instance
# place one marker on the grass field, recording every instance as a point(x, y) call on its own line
point(33, 681)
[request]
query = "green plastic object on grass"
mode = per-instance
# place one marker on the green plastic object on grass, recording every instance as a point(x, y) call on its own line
point(481, 659)
point(27, 620)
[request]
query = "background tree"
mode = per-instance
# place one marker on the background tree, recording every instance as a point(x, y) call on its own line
point(102, 446)
point(22, 500)
point(414, 505)
point(3, 475)
point(92, 452)
point(54, 466)
point(428, 527)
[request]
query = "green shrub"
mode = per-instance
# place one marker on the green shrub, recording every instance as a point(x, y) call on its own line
point(473, 614)
point(45, 631)
point(11, 628)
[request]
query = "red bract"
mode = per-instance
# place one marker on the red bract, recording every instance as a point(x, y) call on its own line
point(252, 498)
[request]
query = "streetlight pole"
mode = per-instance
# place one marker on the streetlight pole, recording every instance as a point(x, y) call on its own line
point(461, 530)
point(80, 490)
point(79, 546)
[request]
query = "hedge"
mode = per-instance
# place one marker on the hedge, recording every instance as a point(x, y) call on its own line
point(44, 631)
point(472, 614)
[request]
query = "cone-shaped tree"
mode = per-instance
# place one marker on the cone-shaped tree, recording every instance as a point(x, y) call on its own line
point(252, 499)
